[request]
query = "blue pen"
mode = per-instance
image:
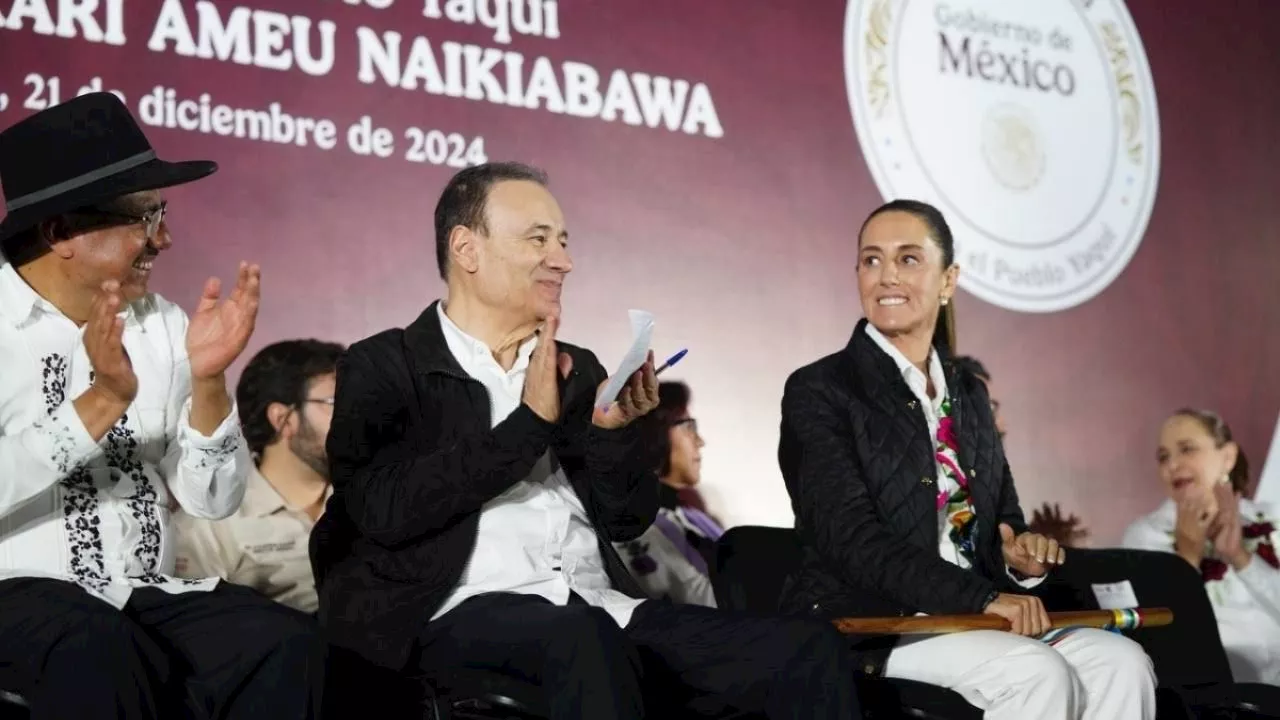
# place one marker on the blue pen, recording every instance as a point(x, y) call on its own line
point(672, 361)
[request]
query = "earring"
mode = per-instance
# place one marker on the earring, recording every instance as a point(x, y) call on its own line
point(945, 299)
point(1225, 479)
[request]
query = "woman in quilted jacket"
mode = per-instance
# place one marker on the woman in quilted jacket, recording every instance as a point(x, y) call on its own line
point(905, 503)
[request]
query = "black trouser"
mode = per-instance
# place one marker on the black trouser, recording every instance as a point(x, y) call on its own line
point(682, 655)
point(227, 653)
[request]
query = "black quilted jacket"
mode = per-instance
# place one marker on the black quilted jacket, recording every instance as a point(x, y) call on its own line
point(858, 462)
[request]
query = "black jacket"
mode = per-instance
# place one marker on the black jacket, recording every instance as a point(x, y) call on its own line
point(858, 461)
point(413, 459)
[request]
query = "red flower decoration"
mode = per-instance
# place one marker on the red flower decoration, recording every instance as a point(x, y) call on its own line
point(1267, 552)
point(1211, 569)
point(1257, 530)
point(947, 433)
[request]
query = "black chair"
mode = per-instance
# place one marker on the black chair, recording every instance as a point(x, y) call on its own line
point(354, 686)
point(485, 700)
point(752, 565)
point(1189, 661)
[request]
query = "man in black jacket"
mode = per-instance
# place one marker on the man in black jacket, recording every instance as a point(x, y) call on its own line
point(478, 488)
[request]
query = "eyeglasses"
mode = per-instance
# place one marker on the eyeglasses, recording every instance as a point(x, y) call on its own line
point(687, 422)
point(150, 220)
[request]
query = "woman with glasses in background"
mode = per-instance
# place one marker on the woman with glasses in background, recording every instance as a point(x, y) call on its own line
point(671, 559)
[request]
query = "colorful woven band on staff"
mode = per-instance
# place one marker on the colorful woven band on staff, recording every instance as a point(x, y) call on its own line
point(1125, 619)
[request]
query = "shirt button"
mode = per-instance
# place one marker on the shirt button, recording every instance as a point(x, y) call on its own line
point(869, 669)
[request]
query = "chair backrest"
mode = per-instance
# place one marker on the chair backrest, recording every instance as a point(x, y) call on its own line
point(1187, 653)
point(754, 562)
point(752, 566)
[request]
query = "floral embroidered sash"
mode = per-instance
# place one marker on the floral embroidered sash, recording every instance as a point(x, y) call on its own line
point(958, 505)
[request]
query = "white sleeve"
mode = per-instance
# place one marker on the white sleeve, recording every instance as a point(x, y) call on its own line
point(206, 474)
point(1263, 583)
point(1028, 584)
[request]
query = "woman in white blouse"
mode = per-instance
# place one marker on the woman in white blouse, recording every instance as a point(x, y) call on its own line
point(1230, 539)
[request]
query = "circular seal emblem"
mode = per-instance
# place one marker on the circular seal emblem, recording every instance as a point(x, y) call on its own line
point(1032, 126)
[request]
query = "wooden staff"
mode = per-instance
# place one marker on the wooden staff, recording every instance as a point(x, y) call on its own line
point(1128, 619)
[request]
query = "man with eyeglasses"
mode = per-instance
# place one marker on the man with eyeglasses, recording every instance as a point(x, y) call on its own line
point(285, 396)
point(113, 411)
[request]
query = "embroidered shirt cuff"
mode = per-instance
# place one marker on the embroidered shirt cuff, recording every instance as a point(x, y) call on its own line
point(1024, 582)
point(70, 444)
point(210, 451)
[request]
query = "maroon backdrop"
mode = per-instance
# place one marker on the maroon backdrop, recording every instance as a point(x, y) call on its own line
point(741, 245)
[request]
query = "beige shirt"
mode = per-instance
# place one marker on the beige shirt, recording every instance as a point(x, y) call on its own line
point(262, 546)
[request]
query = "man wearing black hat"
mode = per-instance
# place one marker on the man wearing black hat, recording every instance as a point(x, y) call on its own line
point(113, 409)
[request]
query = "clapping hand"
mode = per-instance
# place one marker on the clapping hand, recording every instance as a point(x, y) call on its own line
point(546, 366)
point(219, 331)
point(1228, 540)
point(113, 375)
point(1196, 513)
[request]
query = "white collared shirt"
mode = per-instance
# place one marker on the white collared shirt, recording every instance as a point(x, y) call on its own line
point(932, 409)
point(97, 513)
point(535, 538)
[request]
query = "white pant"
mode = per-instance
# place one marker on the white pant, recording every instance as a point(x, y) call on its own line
point(1086, 675)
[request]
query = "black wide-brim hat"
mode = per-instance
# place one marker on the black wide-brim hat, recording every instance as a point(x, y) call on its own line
point(82, 152)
